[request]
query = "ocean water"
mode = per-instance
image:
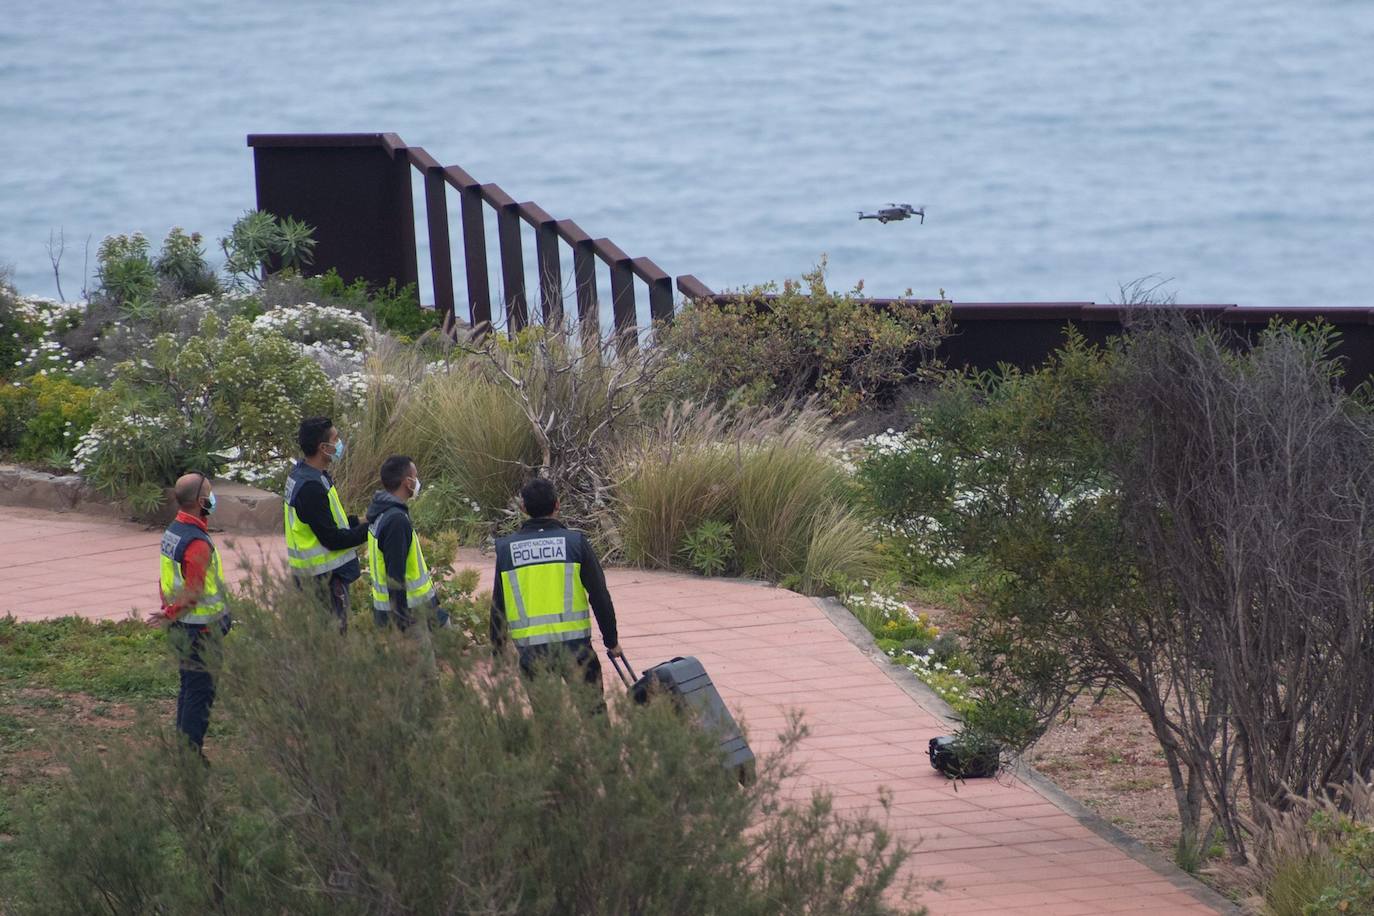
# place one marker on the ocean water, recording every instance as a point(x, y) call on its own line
point(1061, 147)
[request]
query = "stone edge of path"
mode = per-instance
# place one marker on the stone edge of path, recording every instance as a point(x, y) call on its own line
point(241, 510)
point(931, 702)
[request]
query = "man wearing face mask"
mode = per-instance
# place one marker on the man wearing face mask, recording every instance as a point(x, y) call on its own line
point(402, 592)
point(320, 538)
point(192, 590)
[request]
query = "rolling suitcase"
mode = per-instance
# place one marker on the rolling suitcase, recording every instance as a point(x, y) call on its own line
point(687, 682)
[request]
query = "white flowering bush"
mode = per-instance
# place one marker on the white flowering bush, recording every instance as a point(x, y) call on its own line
point(913, 641)
point(231, 397)
point(339, 328)
point(912, 486)
point(31, 327)
point(949, 681)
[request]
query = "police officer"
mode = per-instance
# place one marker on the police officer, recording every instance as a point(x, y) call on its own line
point(547, 579)
point(320, 538)
point(402, 591)
point(192, 589)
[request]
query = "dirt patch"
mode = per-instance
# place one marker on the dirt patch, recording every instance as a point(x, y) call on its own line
point(1106, 756)
point(39, 723)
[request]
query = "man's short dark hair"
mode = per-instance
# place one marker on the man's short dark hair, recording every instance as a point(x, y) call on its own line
point(539, 497)
point(313, 433)
point(394, 471)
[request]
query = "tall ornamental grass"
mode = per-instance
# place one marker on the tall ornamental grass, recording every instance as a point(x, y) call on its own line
point(773, 479)
point(454, 420)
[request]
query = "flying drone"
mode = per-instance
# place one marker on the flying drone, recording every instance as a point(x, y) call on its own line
point(894, 212)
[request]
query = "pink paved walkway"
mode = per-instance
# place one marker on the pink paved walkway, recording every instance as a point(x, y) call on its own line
point(1000, 847)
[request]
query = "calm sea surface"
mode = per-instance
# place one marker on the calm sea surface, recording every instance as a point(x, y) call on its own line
point(1061, 147)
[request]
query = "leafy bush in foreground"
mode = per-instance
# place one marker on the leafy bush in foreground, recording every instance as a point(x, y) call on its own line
point(359, 783)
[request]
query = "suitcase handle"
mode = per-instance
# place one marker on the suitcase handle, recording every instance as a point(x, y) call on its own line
point(616, 660)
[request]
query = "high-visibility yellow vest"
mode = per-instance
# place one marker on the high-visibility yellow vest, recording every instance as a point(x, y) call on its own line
point(210, 606)
point(541, 586)
point(419, 588)
point(304, 552)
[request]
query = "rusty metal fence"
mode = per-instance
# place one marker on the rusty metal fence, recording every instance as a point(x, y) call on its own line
point(355, 189)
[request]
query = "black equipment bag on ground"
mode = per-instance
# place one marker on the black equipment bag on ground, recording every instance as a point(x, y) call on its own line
point(957, 761)
point(686, 681)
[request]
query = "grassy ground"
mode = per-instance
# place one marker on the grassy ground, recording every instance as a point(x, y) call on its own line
point(71, 683)
point(109, 660)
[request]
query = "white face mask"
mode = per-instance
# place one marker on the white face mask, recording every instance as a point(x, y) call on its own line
point(416, 492)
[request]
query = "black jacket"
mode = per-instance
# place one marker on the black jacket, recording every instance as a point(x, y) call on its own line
point(393, 539)
point(311, 502)
point(580, 551)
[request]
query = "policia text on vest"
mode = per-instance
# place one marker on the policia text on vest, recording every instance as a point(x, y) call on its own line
point(548, 585)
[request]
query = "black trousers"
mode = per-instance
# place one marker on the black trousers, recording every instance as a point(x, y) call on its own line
point(334, 589)
point(197, 693)
point(567, 659)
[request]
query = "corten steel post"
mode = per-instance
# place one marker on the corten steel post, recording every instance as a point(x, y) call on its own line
point(354, 189)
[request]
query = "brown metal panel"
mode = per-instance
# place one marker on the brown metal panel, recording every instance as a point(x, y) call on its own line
point(498, 198)
point(354, 190)
point(584, 276)
point(547, 257)
point(623, 299)
point(475, 254)
point(550, 275)
point(440, 253)
point(389, 142)
point(512, 256)
point(571, 233)
point(622, 283)
point(460, 179)
point(660, 288)
point(420, 158)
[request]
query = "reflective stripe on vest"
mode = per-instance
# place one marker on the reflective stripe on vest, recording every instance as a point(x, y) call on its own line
point(304, 552)
point(419, 587)
point(210, 606)
point(531, 592)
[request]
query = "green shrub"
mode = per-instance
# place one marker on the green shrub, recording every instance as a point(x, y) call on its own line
point(1348, 868)
point(806, 339)
point(360, 781)
point(682, 475)
point(182, 265)
point(468, 438)
point(395, 310)
point(792, 523)
point(1298, 885)
point(125, 273)
point(18, 333)
point(709, 548)
point(442, 506)
point(259, 240)
point(232, 391)
point(312, 324)
point(43, 419)
point(470, 433)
